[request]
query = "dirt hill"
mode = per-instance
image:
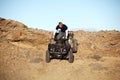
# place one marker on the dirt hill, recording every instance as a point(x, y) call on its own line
point(22, 55)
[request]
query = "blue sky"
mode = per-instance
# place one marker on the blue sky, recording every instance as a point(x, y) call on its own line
point(76, 14)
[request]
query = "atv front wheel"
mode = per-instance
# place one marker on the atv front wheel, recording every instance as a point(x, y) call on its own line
point(47, 56)
point(70, 56)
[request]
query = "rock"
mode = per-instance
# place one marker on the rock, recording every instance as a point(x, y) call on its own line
point(15, 36)
point(96, 57)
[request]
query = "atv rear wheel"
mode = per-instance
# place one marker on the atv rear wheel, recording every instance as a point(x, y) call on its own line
point(70, 56)
point(47, 56)
point(75, 46)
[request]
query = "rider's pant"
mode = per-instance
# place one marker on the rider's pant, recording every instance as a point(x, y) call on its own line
point(60, 35)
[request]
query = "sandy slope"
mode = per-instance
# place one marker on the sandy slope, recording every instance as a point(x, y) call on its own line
point(22, 55)
point(30, 65)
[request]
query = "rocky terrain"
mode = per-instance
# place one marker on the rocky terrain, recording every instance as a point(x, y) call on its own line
point(22, 55)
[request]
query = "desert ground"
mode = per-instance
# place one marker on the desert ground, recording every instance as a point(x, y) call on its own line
point(22, 55)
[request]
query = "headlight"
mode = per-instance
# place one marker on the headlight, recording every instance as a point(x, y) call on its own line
point(51, 49)
point(64, 50)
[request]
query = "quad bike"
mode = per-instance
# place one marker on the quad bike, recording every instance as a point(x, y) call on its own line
point(62, 48)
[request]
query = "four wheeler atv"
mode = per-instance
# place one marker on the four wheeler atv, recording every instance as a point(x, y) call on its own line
point(62, 48)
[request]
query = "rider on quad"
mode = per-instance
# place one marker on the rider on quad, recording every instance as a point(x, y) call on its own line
point(62, 29)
